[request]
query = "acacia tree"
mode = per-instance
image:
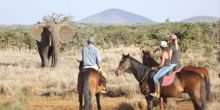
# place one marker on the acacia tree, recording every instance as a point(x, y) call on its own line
point(57, 18)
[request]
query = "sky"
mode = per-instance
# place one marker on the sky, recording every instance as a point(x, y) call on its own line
point(32, 11)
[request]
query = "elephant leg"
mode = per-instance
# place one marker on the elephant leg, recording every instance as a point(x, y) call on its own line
point(45, 56)
point(40, 52)
point(50, 54)
point(55, 56)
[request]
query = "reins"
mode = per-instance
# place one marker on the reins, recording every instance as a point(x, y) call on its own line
point(145, 75)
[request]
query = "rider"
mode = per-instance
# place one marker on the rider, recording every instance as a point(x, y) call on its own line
point(174, 52)
point(92, 59)
point(164, 66)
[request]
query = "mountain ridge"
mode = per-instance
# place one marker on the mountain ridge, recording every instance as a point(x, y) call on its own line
point(201, 19)
point(116, 16)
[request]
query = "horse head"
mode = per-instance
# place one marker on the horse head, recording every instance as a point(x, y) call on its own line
point(148, 59)
point(124, 64)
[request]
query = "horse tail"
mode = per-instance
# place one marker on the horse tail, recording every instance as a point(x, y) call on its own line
point(86, 94)
point(203, 93)
point(207, 84)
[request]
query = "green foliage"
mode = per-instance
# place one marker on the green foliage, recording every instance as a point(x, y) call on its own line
point(190, 35)
point(16, 38)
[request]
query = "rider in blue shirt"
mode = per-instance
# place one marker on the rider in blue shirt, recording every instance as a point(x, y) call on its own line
point(92, 59)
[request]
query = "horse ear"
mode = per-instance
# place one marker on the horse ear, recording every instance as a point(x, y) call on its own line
point(123, 54)
point(143, 51)
point(128, 54)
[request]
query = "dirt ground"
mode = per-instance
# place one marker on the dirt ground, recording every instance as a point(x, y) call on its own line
point(71, 103)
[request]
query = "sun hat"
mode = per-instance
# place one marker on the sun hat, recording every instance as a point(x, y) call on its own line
point(163, 44)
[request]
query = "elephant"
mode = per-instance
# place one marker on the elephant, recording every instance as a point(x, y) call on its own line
point(48, 38)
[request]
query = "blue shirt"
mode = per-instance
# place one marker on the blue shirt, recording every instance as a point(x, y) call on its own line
point(90, 55)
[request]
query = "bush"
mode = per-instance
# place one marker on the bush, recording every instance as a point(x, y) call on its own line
point(191, 35)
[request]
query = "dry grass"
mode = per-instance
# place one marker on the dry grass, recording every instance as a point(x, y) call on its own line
point(21, 71)
point(15, 103)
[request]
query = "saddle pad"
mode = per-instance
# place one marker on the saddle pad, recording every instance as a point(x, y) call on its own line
point(168, 79)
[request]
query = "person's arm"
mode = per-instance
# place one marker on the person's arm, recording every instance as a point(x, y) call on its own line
point(162, 60)
point(98, 59)
point(176, 44)
point(161, 63)
point(170, 53)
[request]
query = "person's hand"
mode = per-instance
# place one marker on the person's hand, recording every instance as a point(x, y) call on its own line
point(152, 68)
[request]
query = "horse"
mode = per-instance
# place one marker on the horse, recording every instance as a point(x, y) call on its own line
point(186, 81)
point(202, 71)
point(88, 87)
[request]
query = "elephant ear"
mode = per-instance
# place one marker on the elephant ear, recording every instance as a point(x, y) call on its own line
point(36, 31)
point(67, 33)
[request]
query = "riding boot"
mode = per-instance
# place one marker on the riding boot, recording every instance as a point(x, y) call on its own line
point(157, 91)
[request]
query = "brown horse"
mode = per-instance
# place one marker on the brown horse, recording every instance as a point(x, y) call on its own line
point(186, 81)
point(202, 71)
point(88, 87)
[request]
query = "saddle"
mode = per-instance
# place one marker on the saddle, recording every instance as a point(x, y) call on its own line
point(168, 78)
point(102, 75)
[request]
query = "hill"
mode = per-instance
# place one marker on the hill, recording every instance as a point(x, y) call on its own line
point(115, 16)
point(201, 19)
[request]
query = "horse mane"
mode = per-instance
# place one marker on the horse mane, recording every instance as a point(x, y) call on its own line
point(138, 68)
point(140, 64)
point(135, 60)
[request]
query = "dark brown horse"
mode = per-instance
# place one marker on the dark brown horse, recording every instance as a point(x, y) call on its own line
point(202, 71)
point(186, 81)
point(88, 87)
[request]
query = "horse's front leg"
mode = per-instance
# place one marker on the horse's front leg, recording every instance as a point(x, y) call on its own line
point(149, 100)
point(98, 101)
